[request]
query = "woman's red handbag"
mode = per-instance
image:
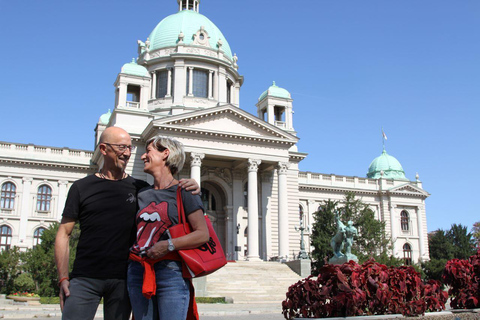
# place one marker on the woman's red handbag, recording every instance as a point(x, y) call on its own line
point(205, 259)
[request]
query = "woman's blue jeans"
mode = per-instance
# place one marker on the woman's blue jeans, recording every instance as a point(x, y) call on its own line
point(172, 296)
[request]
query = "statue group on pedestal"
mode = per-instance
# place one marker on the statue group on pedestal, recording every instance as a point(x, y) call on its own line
point(343, 239)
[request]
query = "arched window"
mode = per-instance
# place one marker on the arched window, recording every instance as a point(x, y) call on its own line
point(37, 236)
point(5, 237)
point(8, 195)
point(44, 198)
point(404, 218)
point(407, 254)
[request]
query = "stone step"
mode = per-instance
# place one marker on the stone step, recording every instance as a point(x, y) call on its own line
point(252, 282)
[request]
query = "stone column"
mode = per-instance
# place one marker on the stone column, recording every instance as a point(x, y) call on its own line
point(237, 191)
point(180, 83)
point(169, 83)
point(190, 81)
point(62, 196)
point(421, 239)
point(215, 85)
point(229, 233)
point(393, 227)
point(270, 114)
point(252, 241)
point(237, 94)
point(25, 212)
point(210, 84)
point(195, 165)
point(222, 85)
point(282, 211)
point(154, 85)
point(266, 214)
point(122, 94)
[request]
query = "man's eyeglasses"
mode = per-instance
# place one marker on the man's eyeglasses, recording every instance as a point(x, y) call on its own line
point(121, 147)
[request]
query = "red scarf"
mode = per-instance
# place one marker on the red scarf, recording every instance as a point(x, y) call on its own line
point(150, 285)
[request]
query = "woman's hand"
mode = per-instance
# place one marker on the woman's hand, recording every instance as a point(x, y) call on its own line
point(158, 250)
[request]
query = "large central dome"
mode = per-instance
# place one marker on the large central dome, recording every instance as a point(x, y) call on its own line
point(189, 23)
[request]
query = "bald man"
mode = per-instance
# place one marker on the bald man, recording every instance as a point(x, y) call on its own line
point(105, 205)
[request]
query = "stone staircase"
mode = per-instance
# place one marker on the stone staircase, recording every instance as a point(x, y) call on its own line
point(252, 282)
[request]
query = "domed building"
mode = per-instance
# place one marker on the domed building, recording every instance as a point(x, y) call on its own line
point(185, 84)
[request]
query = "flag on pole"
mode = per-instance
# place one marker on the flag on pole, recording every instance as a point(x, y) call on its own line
point(384, 135)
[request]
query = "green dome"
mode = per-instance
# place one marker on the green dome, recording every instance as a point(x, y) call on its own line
point(392, 169)
point(105, 118)
point(275, 91)
point(133, 68)
point(189, 23)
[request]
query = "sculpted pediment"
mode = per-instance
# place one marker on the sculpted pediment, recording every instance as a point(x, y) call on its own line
point(409, 189)
point(226, 120)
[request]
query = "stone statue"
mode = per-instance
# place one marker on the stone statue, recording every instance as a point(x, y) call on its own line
point(350, 232)
point(337, 240)
point(343, 239)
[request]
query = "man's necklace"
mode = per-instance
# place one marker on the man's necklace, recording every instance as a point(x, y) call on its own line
point(101, 175)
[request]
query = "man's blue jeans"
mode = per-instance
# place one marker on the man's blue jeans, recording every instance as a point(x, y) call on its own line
point(172, 295)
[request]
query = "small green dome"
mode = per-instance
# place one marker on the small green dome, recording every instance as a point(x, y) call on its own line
point(189, 23)
point(392, 169)
point(134, 69)
point(105, 118)
point(275, 91)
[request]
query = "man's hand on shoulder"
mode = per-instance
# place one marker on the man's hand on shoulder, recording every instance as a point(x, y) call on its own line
point(190, 185)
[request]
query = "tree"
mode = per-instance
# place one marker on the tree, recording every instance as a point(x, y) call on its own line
point(9, 269)
point(476, 233)
point(323, 230)
point(440, 246)
point(462, 241)
point(370, 242)
point(40, 261)
point(455, 243)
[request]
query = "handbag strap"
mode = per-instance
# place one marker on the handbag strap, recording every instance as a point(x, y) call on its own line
point(181, 211)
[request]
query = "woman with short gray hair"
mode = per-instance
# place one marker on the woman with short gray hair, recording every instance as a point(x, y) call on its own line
point(155, 280)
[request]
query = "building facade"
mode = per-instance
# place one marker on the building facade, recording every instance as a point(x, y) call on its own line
point(185, 84)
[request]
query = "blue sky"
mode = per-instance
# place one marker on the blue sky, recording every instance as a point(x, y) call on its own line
point(351, 67)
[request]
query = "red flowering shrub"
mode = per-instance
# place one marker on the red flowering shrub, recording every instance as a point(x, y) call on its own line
point(463, 277)
point(354, 290)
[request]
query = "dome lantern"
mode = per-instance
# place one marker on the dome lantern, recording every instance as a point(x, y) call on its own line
point(188, 5)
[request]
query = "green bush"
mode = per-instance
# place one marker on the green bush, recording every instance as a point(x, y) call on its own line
point(24, 283)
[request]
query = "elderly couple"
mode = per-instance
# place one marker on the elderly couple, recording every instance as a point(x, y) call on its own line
point(116, 245)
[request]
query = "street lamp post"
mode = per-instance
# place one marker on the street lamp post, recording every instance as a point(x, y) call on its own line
point(302, 254)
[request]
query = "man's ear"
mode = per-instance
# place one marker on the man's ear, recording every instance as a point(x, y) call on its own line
point(103, 148)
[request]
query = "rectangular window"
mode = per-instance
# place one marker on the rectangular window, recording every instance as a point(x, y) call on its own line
point(200, 83)
point(162, 82)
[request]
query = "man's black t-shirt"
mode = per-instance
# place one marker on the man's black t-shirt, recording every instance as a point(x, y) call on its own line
point(106, 211)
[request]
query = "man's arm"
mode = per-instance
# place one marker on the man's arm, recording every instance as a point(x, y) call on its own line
point(62, 254)
point(189, 185)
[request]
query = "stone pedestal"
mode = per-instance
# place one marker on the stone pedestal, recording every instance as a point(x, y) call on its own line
point(343, 259)
point(302, 267)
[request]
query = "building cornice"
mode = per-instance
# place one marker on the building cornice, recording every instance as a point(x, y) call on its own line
point(337, 189)
point(49, 163)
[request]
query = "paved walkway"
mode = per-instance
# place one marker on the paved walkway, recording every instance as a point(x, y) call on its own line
point(252, 311)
